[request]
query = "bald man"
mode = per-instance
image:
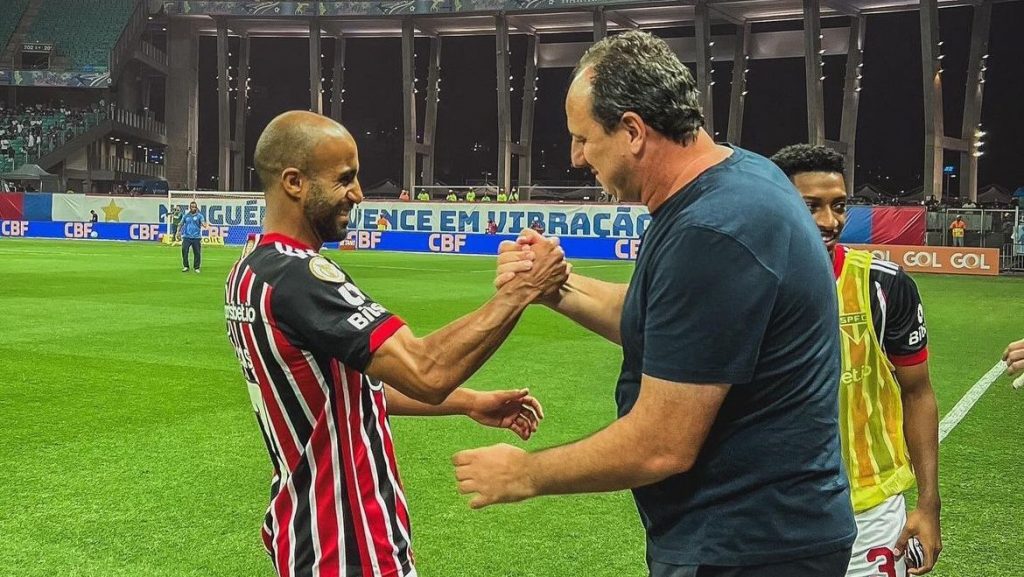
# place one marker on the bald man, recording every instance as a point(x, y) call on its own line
point(316, 351)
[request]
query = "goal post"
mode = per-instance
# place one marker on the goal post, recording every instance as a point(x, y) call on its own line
point(232, 216)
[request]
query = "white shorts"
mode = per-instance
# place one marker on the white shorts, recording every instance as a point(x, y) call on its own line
point(878, 529)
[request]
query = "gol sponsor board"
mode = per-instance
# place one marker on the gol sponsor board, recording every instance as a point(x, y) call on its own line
point(938, 259)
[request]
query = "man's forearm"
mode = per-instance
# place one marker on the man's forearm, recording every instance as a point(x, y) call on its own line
point(457, 403)
point(594, 304)
point(920, 426)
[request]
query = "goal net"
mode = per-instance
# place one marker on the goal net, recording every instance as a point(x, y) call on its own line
point(232, 216)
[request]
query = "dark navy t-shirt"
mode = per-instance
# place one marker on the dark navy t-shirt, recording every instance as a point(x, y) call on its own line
point(734, 286)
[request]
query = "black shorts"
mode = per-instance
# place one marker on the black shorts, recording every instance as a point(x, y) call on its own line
point(829, 565)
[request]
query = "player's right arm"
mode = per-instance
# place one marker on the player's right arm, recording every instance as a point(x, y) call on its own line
point(593, 303)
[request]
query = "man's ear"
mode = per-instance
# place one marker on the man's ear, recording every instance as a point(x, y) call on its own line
point(636, 131)
point(291, 182)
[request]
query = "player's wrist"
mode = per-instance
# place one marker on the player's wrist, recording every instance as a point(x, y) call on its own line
point(930, 504)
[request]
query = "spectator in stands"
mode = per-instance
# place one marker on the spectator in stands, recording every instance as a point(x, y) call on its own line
point(1007, 230)
point(514, 196)
point(452, 197)
point(423, 196)
point(486, 197)
point(537, 226)
point(471, 196)
point(404, 195)
point(958, 229)
point(492, 227)
point(93, 217)
point(383, 223)
point(502, 197)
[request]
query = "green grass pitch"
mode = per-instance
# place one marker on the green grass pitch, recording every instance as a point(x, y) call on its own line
point(128, 447)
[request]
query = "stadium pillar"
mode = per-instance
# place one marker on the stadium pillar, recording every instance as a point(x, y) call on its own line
point(338, 78)
point(241, 112)
point(738, 91)
point(971, 131)
point(182, 103)
point(504, 89)
point(851, 97)
point(223, 109)
point(409, 104)
point(705, 64)
point(931, 68)
point(430, 114)
point(813, 72)
point(526, 120)
point(600, 24)
point(316, 96)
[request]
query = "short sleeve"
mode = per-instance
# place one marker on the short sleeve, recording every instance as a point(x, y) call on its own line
point(709, 302)
point(318, 307)
point(906, 336)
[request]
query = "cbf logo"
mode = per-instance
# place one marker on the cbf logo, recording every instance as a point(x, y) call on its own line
point(854, 327)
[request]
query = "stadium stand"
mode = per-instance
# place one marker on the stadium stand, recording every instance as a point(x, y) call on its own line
point(31, 132)
point(83, 30)
point(10, 15)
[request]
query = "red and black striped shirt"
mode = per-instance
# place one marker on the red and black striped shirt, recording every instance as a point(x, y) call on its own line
point(303, 333)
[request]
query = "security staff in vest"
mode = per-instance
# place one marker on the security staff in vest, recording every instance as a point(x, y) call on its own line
point(190, 233)
point(887, 410)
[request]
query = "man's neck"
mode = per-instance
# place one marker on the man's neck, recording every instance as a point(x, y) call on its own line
point(678, 166)
point(294, 229)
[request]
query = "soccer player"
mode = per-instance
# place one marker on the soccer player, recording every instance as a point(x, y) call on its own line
point(887, 410)
point(190, 232)
point(728, 428)
point(316, 352)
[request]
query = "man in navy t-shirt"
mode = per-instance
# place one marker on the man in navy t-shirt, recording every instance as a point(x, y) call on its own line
point(728, 421)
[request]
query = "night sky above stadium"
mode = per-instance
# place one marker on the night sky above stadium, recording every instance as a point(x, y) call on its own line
point(890, 128)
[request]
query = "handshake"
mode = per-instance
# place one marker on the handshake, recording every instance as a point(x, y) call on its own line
point(533, 267)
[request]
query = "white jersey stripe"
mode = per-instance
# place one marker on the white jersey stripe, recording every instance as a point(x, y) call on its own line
point(370, 545)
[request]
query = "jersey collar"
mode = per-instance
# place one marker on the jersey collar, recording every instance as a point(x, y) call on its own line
point(838, 259)
point(283, 239)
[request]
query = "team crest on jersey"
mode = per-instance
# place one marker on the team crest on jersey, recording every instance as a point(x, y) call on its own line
point(854, 326)
point(325, 270)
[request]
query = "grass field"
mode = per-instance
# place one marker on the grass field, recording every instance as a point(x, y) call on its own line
point(129, 449)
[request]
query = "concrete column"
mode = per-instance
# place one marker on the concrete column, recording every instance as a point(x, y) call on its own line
point(408, 104)
point(931, 68)
point(338, 78)
point(600, 24)
point(430, 114)
point(241, 113)
point(526, 120)
point(971, 131)
point(851, 97)
point(182, 104)
point(705, 82)
point(738, 93)
point(316, 97)
point(223, 111)
point(504, 90)
point(813, 72)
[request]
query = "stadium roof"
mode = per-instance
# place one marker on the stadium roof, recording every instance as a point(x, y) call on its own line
point(374, 19)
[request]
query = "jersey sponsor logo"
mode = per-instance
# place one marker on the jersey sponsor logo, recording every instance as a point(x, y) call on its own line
point(856, 375)
point(326, 270)
point(240, 313)
point(366, 315)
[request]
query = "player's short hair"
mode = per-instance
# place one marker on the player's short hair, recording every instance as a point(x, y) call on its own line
point(637, 72)
point(799, 158)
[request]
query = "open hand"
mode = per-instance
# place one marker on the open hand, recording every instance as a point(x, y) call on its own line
point(514, 410)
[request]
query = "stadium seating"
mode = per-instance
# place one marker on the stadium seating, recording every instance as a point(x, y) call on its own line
point(10, 15)
point(55, 127)
point(83, 30)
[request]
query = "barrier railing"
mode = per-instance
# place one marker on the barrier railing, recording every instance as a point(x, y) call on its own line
point(117, 164)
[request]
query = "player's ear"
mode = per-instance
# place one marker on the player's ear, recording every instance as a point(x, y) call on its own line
point(291, 182)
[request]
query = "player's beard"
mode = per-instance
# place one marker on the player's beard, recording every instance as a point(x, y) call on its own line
point(324, 217)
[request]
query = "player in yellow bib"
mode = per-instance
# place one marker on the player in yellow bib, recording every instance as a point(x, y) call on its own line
point(887, 410)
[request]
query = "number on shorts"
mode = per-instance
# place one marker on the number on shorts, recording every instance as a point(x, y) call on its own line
point(888, 565)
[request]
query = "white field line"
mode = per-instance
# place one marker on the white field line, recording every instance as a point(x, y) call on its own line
point(964, 405)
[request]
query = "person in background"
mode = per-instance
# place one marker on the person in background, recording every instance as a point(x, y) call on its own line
point(514, 195)
point(486, 197)
point(537, 226)
point(93, 217)
point(502, 197)
point(191, 235)
point(404, 196)
point(452, 197)
point(383, 223)
point(471, 196)
point(958, 229)
point(492, 227)
point(887, 410)
point(423, 196)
